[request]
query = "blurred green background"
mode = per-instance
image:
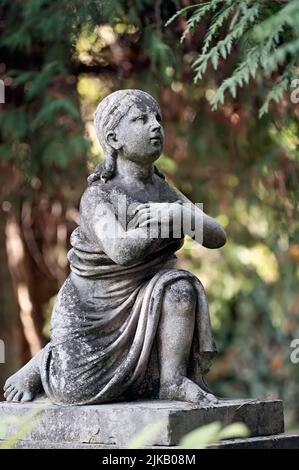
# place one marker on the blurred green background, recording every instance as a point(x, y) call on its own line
point(57, 60)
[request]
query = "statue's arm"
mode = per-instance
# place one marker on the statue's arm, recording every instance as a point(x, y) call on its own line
point(124, 247)
point(213, 234)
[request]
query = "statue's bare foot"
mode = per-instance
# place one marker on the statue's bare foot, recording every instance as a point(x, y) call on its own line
point(183, 389)
point(24, 385)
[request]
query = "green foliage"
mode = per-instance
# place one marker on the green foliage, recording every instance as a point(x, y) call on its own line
point(146, 436)
point(200, 438)
point(162, 54)
point(212, 434)
point(41, 131)
point(277, 91)
point(266, 33)
point(193, 21)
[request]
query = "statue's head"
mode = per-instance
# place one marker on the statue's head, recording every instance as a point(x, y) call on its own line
point(128, 124)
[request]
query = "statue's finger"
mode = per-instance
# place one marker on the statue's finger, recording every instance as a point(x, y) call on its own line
point(143, 218)
point(146, 222)
point(135, 219)
point(140, 206)
point(149, 221)
point(144, 211)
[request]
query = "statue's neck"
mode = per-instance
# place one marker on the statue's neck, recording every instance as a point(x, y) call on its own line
point(132, 171)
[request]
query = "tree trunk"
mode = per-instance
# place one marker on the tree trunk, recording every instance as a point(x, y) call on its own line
point(13, 343)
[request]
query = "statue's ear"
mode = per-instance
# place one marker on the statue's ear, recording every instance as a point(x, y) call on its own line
point(112, 140)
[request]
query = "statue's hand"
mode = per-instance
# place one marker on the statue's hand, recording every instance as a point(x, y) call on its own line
point(162, 213)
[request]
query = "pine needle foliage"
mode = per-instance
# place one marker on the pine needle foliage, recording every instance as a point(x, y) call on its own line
point(266, 34)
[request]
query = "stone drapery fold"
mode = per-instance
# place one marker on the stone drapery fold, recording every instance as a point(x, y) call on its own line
point(103, 344)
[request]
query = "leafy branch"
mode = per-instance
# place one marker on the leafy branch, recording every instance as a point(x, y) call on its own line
point(267, 36)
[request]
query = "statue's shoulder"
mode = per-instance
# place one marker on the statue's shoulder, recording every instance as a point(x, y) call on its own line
point(94, 195)
point(100, 192)
point(168, 191)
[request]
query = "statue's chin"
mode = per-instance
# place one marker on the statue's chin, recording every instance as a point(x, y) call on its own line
point(145, 158)
point(155, 154)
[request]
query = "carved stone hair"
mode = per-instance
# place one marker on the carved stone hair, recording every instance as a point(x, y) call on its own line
point(108, 114)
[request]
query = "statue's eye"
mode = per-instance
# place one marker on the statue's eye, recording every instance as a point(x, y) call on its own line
point(158, 117)
point(142, 118)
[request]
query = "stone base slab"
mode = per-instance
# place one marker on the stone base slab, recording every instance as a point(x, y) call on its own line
point(115, 424)
point(278, 441)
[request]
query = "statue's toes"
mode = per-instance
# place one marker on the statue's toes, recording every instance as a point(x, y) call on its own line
point(10, 396)
point(8, 390)
point(18, 397)
point(27, 396)
point(211, 398)
point(8, 384)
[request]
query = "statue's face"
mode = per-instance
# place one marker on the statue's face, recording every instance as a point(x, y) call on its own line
point(139, 136)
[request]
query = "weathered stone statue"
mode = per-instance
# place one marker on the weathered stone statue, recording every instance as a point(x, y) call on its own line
point(127, 323)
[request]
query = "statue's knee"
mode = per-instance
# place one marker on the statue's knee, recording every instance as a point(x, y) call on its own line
point(180, 294)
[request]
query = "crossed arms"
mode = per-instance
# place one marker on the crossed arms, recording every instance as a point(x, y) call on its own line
point(128, 245)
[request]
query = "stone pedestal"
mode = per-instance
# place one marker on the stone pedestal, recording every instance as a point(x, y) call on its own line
point(114, 425)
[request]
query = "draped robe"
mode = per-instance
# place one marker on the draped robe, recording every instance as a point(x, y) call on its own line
point(106, 318)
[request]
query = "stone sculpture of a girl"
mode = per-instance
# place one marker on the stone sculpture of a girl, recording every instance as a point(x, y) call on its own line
point(127, 323)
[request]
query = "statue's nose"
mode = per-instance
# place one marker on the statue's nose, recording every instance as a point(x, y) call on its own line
point(155, 125)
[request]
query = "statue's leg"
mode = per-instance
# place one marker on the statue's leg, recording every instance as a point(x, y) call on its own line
point(175, 336)
point(25, 384)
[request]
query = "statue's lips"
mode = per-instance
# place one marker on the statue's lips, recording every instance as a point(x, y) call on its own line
point(157, 138)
